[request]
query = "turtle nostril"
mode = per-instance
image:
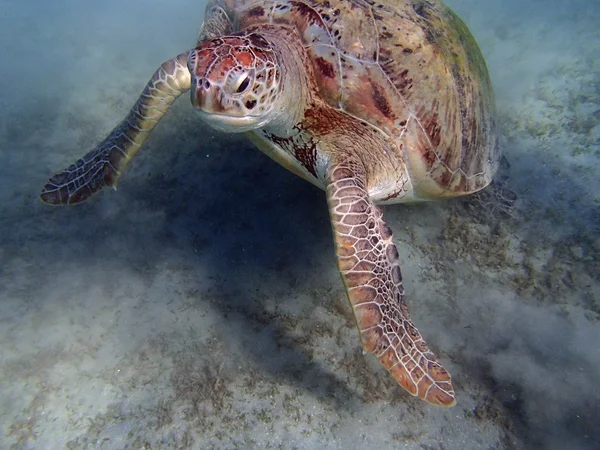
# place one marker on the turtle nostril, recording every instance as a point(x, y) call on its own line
point(205, 84)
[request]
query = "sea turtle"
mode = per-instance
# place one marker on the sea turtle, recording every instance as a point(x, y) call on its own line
point(374, 101)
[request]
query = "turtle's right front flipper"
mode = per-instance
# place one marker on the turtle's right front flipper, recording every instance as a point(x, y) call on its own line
point(104, 165)
point(369, 264)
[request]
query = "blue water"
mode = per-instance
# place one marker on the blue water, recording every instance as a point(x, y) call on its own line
point(199, 306)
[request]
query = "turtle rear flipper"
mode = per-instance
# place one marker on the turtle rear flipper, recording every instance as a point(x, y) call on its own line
point(104, 165)
point(369, 263)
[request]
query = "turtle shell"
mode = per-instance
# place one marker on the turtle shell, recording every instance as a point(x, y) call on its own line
point(410, 68)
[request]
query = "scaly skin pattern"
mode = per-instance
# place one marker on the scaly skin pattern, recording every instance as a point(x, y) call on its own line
point(369, 263)
point(104, 164)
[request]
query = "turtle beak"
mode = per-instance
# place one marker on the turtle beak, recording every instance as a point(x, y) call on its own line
point(205, 96)
point(196, 96)
point(201, 86)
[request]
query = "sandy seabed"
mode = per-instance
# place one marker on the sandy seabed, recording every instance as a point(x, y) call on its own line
point(200, 305)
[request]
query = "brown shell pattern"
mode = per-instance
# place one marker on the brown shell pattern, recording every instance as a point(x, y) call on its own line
point(409, 67)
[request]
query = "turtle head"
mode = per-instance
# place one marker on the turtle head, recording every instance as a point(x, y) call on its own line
point(235, 82)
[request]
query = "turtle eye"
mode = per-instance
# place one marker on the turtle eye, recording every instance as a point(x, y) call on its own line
point(243, 84)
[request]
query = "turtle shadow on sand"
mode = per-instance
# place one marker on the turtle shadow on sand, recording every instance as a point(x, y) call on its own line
point(241, 230)
point(290, 236)
point(249, 234)
point(208, 196)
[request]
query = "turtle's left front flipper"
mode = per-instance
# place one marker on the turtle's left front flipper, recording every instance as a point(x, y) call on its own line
point(104, 164)
point(369, 263)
